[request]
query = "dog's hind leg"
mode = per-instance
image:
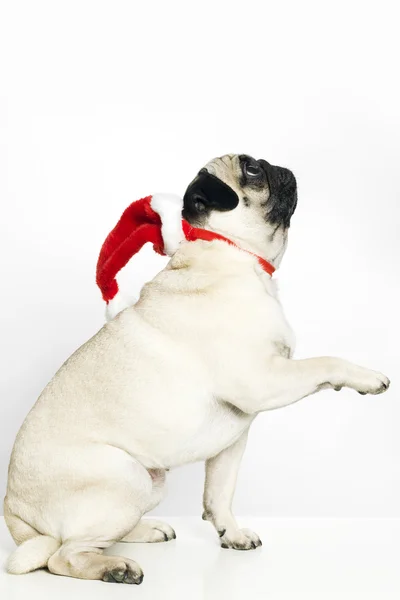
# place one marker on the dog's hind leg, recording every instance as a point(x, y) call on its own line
point(96, 517)
point(101, 518)
point(151, 530)
point(84, 559)
point(20, 531)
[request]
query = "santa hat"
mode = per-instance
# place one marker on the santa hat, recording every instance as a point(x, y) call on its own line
point(156, 219)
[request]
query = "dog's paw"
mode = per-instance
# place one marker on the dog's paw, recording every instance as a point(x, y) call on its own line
point(162, 532)
point(150, 531)
point(240, 539)
point(127, 571)
point(370, 382)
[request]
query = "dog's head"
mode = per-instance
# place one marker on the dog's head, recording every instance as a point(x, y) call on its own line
point(247, 200)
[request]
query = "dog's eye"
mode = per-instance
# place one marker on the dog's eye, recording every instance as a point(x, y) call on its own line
point(253, 170)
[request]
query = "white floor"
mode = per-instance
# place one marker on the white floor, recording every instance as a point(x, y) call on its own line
point(300, 559)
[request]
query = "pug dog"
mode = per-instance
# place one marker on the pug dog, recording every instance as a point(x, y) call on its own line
point(178, 377)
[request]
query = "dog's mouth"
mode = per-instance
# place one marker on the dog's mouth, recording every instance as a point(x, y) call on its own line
point(207, 192)
point(282, 200)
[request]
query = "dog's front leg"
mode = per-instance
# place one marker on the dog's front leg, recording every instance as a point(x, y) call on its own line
point(285, 381)
point(221, 476)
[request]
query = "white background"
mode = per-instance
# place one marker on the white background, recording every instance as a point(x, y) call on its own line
point(105, 102)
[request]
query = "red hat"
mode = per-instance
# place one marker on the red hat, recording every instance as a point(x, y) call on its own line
point(156, 219)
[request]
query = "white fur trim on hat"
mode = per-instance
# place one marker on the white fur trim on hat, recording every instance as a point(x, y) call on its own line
point(169, 207)
point(117, 305)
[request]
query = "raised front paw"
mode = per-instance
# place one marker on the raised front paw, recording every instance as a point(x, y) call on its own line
point(370, 382)
point(239, 539)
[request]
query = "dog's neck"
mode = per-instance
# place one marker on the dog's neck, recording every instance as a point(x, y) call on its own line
point(193, 233)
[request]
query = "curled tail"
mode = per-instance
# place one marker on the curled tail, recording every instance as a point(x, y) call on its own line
point(32, 554)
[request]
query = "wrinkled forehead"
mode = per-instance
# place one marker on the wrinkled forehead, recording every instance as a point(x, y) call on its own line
point(226, 158)
point(226, 168)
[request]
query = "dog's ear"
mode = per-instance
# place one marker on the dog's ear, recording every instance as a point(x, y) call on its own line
point(207, 193)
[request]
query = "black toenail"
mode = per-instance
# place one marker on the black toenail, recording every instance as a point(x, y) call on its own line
point(165, 537)
point(173, 535)
point(140, 579)
point(221, 532)
point(224, 545)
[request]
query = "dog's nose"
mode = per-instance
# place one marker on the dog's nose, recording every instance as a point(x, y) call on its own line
point(197, 197)
point(207, 192)
point(199, 202)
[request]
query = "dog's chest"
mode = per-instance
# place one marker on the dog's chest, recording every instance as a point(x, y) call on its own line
point(198, 433)
point(222, 426)
point(242, 333)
